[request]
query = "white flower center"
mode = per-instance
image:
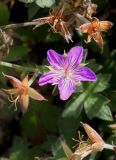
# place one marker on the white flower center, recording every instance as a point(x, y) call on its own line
point(67, 72)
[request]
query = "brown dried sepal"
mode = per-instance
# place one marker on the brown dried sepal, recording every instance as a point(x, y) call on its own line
point(94, 29)
point(21, 92)
point(56, 21)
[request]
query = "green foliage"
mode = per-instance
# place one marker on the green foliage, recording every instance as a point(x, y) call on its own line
point(96, 106)
point(66, 149)
point(17, 52)
point(40, 3)
point(74, 106)
point(100, 85)
point(4, 14)
point(41, 119)
point(32, 10)
point(20, 150)
point(44, 3)
point(27, 1)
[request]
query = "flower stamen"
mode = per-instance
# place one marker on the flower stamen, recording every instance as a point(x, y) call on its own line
point(13, 100)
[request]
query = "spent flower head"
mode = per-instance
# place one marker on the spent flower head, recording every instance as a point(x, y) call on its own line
point(21, 92)
point(94, 29)
point(66, 71)
point(56, 21)
point(94, 144)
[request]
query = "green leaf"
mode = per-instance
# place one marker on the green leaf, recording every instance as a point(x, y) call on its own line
point(51, 158)
point(42, 117)
point(32, 10)
point(109, 63)
point(20, 150)
point(74, 106)
point(45, 3)
point(57, 150)
point(27, 1)
point(96, 106)
point(63, 158)
point(30, 120)
point(100, 85)
point(112, 96)
point(94, 66)
point(68, 127)
point(48, 143)
point(105, 113)
point(17, 52)
point(4, 14)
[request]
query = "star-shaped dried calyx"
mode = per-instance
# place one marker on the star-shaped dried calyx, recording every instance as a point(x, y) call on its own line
point(94, 30)
point(21, 92)
point(94, 144)
point(56, 21)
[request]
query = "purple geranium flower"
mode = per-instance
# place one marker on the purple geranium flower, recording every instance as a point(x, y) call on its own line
point(66, 71)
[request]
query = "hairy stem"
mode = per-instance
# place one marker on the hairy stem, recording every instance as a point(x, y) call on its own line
point(13, 26)
point(109, 146)
point(35, 75)
point(82, 18)
point(18, 67)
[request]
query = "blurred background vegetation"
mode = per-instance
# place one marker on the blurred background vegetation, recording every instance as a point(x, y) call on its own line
point(37, 132)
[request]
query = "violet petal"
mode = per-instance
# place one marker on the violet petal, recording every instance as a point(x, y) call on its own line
point(55, 59)
point(66, 88)
point(75, 56)
point(50, 77)
point(84, 74)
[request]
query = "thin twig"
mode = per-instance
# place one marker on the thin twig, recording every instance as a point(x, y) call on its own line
point(13, 26)
point(18, 67)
